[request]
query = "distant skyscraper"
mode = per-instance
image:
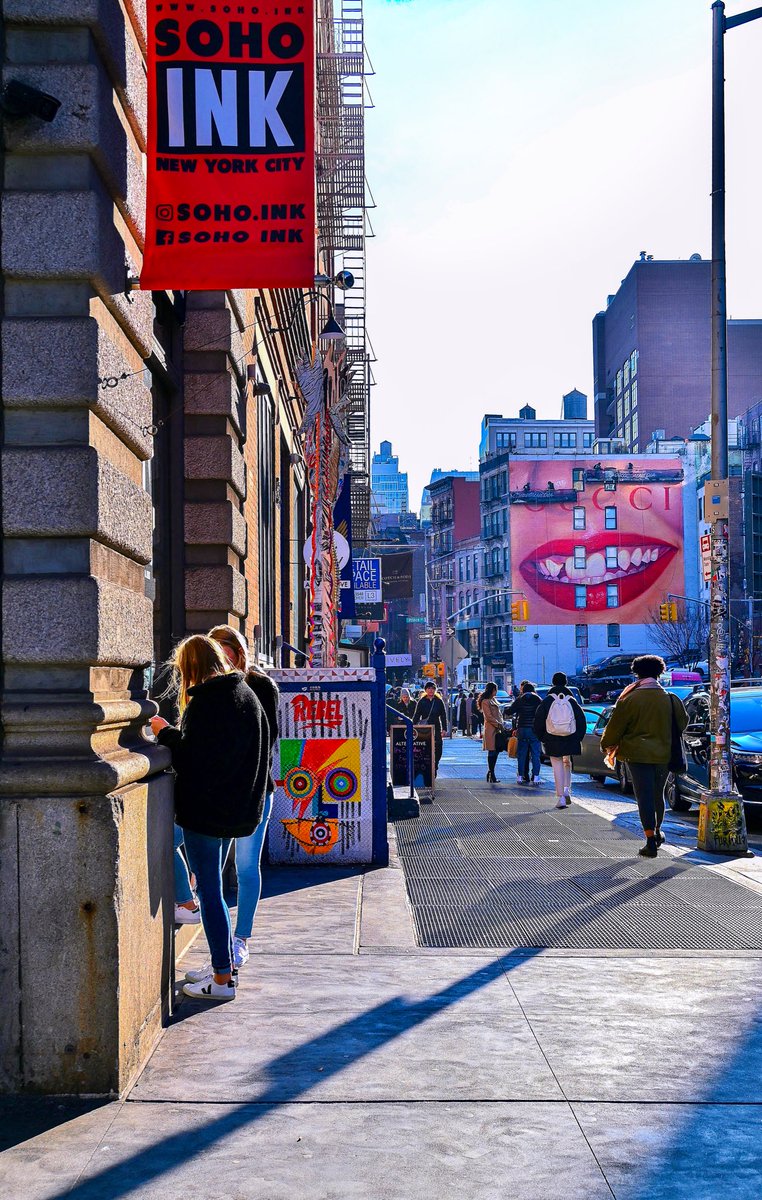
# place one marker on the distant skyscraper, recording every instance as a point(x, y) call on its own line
point(388, 483)
point(652, 354)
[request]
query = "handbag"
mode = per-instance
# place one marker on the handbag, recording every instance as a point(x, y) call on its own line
point(513, 746)
point(501, 740)
point(677, 763)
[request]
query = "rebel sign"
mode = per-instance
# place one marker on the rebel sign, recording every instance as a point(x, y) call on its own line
point(231, 145)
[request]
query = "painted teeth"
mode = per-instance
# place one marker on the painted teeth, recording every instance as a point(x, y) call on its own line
point(595, 570)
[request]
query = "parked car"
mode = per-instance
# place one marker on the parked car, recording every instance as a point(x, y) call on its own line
point(745, 750)
point(590, 761)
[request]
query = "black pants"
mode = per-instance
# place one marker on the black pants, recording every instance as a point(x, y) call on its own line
point(437, 751)
point(648, 780)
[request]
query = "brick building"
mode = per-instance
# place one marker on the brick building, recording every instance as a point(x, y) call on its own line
point(152, 485)
point(652, 354)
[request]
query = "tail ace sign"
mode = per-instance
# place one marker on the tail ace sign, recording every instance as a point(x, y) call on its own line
point(231, 146)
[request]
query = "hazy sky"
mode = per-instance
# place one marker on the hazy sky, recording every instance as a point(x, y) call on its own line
point(521, 155)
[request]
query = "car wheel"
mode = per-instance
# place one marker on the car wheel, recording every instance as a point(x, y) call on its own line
point(599, 779)
point(675, 801)
point(623, 778)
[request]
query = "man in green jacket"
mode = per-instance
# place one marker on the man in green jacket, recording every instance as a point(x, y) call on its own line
point(640, 734)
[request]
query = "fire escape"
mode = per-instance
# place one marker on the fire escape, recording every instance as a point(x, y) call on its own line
point(342, 205)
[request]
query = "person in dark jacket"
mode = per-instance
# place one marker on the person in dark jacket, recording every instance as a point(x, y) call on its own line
point(220, 757)
point(640, 732)
point(430, 710)
point(560, 746)
point(462, 713)
point(248, 850)
point(523, 711)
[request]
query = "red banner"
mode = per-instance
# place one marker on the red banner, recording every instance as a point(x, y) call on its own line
point(231, 145)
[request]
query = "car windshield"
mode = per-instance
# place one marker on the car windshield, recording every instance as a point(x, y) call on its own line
point(746, 713)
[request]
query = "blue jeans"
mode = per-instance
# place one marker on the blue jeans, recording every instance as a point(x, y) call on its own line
point(183, 891)
point(206, 856)
point(248, 854)
point(528, 745)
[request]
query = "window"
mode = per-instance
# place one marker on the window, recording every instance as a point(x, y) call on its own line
point(468, 599)
point(628, 432)
point(580, 597)
point(627, 403)
point(580, 557)
point(468, 567)
point(634, 427)
point(537, 440)
point(565, 440)
point(460, 570)
point(634, 393)
point(626, 373)
point(609, 517)
point(580, 636)
point(505, 441)
point(578, 479)
point(611, 558)
point(633, 362)
point(588, 439)
point(476, 566)
point(578, 517)
point(619, 412)
point(506, 559)
point(618, 383)
point(613, 637)
point(612, 595)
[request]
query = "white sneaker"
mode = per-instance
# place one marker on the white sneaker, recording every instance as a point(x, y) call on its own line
point(240, 952)
point(209, 990)
point(204, 973)
point(187, 916)
point(561, 802)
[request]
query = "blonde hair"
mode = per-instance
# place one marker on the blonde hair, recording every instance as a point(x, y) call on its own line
point(194, 660)
point(230, 639)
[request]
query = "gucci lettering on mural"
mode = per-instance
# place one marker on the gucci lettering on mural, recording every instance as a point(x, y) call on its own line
point(231, 171)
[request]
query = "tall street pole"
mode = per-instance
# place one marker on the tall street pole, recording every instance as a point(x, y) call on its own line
point(722, 828)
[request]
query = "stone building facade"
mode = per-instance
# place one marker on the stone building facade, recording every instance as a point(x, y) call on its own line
point(152, 485)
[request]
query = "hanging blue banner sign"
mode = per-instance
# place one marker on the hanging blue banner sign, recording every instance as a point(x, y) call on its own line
point(342, 526)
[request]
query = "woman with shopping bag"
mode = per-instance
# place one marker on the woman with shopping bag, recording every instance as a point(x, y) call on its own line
point(495, 734)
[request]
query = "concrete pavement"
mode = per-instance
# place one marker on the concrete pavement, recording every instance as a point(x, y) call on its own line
point(358, 1063)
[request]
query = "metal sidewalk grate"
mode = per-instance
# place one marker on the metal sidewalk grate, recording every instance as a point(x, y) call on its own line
point(503, 871)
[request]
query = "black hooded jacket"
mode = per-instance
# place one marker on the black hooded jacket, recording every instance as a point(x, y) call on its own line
point(221, 755)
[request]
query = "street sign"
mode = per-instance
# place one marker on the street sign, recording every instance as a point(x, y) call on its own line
point(399, 660)
point(454, 653)
point(706, 556)
point(367, 579)
point(415, 620)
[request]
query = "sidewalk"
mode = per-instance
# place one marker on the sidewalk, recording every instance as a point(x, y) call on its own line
point(358, 1063)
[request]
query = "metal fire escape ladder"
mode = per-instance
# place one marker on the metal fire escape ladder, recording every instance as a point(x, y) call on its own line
point(342, 204)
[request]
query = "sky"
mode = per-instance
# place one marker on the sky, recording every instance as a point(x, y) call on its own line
point(520, 157)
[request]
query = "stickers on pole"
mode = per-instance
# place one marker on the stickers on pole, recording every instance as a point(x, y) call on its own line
point(231, 146)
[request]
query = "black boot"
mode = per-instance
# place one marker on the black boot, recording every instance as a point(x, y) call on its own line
point(650, 850)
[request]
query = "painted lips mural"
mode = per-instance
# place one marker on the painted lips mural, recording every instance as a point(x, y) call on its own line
point(631, 537)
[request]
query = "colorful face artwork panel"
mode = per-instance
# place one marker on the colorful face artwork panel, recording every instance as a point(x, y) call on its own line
point(320, 779)
point(323, 771)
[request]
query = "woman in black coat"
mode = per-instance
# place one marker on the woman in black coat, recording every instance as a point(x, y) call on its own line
point(248, 850)
point(220, 754)
point(560, 746)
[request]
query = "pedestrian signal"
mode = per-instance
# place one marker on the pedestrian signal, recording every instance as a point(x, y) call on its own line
point(440, 670)
point(520, 612)
point(429, 670)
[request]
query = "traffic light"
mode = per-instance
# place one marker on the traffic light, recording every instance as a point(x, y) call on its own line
point(520, 612)
point(663, 613)
point(440, 670)
point(429, 670)
point(672, 611)
point(668, 611)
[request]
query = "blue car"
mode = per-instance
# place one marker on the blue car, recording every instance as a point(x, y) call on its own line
point(745, 750)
